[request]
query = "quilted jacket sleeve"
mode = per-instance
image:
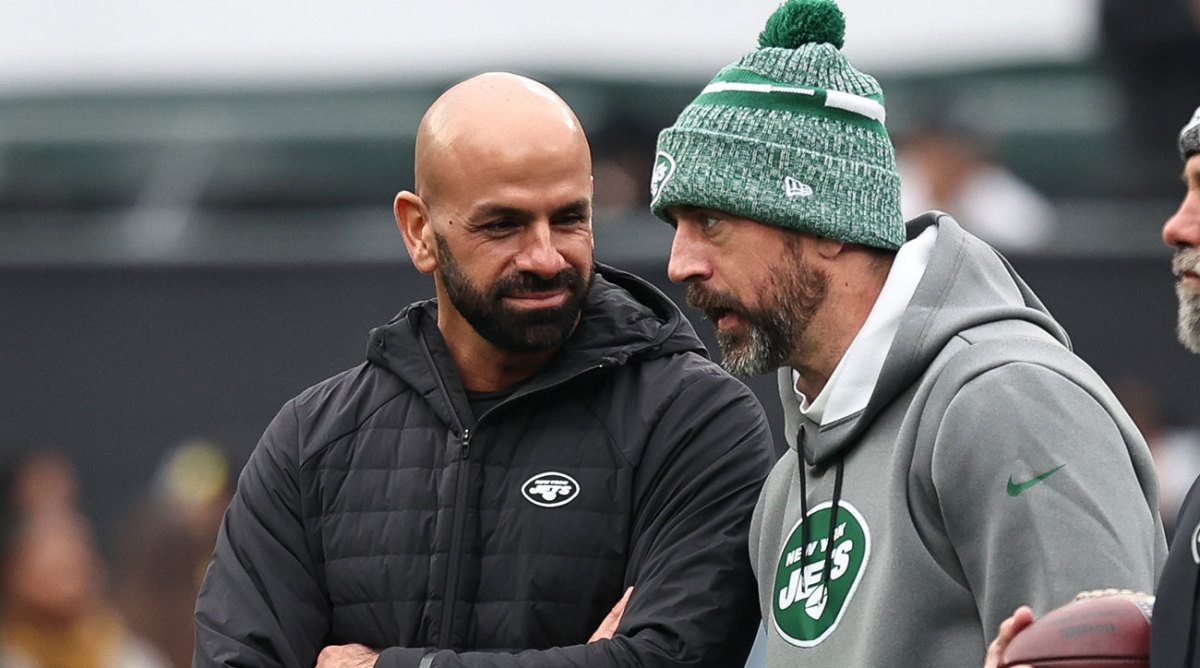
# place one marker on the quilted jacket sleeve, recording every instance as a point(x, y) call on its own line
point(261, 603)
point(1176, 624)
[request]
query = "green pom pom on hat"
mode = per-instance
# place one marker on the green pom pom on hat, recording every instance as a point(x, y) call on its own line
point(804, 22)
point(789, 135)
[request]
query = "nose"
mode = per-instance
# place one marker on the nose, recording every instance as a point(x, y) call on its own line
point(1183, 229)
point(687, 261)
point(539, 254)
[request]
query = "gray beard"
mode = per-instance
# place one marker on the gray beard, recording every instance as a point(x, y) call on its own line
point(790, 301)
point(1188, 327)
point(759, 353)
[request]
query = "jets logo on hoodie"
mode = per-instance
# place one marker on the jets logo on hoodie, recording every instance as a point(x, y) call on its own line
point(807, 603)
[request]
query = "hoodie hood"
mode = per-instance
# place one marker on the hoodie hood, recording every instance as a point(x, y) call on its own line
point(623, 317)
point(966, 284)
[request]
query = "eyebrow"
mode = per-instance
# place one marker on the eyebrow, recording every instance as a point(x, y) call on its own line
point(578, 206)
point(505, 211)
point(497, 211)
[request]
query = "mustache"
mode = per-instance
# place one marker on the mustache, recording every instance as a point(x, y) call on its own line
point(1185, 260)
point(711, 301)
point(569, 278)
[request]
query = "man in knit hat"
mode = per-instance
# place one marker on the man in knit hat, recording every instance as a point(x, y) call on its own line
point(950, 456)
point(1175, 627)
point(1177, 611)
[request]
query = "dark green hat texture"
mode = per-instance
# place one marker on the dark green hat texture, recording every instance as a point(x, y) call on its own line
point(1189, 136)
point(789, 135)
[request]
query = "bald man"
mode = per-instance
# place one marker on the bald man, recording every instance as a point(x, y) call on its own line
point(512, 457)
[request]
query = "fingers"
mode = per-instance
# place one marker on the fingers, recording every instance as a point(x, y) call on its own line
point(346, 656)
point(608, 626)
point(1021, 618)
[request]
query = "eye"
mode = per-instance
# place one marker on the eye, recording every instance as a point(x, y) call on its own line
point(709, 220)
point(569, 219)
point(499, 226)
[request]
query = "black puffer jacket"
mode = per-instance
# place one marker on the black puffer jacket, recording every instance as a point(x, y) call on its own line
point(1175, 630)
point(376, 511)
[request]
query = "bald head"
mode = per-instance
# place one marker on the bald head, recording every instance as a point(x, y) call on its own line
point(493, 121)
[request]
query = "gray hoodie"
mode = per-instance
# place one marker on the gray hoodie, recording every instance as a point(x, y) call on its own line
point(990, 467)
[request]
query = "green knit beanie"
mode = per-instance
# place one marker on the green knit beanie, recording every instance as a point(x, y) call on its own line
point(790, 135)
point(1189, 136)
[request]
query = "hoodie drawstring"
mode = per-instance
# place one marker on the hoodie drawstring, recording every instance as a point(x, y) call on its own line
point(803, 507)
point(833, 515)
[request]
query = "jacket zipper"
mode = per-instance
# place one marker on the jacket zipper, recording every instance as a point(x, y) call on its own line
point(456, 539)
point(460, 511)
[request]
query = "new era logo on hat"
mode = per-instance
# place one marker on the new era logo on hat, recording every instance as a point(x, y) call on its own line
point(795, 188)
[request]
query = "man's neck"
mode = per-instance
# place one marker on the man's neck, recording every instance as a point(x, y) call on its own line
point(481, 371)
point(852, 294)
point(481, 365)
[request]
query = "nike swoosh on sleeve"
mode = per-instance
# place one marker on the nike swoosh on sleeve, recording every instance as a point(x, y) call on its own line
point(1015, 488)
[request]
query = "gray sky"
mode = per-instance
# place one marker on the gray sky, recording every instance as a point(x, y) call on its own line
point(53, 44)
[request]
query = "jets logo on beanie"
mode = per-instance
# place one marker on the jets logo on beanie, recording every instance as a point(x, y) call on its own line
point(789, 135)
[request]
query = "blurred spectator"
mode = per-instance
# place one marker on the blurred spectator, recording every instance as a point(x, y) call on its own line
point(950, 168)
point(55, 613)
point(623, 147)
point(8, 526)
point(45, 482)
point(165, 544)
point(1176, 449)
point(1152, 50)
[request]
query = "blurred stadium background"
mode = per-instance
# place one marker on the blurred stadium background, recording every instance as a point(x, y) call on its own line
point(195, 197)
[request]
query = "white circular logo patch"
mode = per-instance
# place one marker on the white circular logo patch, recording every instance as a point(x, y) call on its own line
point(807, 603)
point(664, 169)
point(550, 489)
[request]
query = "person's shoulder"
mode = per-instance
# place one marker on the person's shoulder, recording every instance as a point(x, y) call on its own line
point(342, 386)
point(341, 402)
point(691, 368)
point(1009, 344)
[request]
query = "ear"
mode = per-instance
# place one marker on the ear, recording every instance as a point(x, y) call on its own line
point(828, 248)
point(412, 217)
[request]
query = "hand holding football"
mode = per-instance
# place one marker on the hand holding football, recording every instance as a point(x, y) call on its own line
point(1096, 632)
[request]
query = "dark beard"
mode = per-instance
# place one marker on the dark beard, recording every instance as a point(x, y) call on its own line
point(513, 330)
point(768, 335)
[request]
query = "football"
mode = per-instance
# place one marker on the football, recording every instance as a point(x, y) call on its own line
point(1101, 632)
